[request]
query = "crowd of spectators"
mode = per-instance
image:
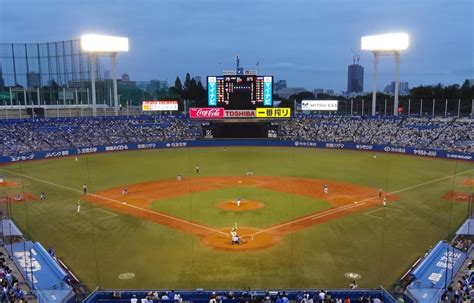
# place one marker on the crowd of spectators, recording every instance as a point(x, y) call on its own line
point(10, 290)
point(51, 134)
point(462, 291)
point(320, 296)
point(447, 134)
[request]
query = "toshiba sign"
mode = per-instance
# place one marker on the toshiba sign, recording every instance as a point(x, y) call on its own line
point(239, 113)
point(329, 105)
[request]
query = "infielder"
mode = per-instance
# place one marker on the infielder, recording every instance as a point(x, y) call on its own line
point(325, 189)
point(125, 191)
point(384, 201)
point(179, 177)
point(238, 201)
point(84, 189)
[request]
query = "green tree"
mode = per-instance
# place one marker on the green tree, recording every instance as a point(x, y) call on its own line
point(302, 96)
point(201, 96)
point(186, 86)
point(178, 87)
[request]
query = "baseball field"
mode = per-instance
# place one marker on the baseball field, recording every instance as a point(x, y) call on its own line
point(175, 234)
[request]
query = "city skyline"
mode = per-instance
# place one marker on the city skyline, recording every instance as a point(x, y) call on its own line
point(307, 44)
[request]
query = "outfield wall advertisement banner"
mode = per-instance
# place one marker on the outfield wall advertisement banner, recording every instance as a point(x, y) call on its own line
point(220, 112)
point(203, 143)
point(162, 105)
point(239, 113)
point(283, 112)
point(323, 105)
point(206, 112)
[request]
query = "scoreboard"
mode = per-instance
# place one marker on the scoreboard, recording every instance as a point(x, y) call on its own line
point(240, 91)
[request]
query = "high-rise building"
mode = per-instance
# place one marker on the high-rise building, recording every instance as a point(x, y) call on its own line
point(403, 88)
point(318, 91)
point(125, 78)
point(355, 78)
point(279, 84)
point(33, 79)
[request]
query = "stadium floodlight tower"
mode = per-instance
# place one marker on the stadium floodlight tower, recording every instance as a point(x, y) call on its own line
point(380, 45)
point(100, 45)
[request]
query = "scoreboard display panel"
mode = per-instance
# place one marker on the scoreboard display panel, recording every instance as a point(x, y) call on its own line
point(240, 91)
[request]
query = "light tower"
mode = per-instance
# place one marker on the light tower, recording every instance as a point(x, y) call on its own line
point(100, 45)
point(382, 45)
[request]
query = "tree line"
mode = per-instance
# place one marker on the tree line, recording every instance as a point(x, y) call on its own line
point(423, 93)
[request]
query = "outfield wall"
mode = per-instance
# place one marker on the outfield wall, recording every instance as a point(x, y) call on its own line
point(433, 153)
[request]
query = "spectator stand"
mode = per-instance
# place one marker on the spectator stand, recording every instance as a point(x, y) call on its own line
point(236, 296)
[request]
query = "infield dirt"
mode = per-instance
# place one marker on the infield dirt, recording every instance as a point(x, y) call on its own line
point(456, 196)
point(7, 184)
point(344, 199)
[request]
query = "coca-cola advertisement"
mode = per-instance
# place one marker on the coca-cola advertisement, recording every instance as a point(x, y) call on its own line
point(206, 112)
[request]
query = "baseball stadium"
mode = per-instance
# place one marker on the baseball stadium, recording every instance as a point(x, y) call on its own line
point(238, 200)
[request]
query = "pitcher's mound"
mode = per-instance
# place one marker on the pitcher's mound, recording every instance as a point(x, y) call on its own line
point(9, 184)
point(244, 205)
point(251, 239)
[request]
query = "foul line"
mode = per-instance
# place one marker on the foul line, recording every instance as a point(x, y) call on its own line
point(355, 204)
point(116, 201)
point(110, 215)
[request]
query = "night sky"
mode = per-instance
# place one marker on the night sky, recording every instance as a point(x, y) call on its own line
point(308, 43)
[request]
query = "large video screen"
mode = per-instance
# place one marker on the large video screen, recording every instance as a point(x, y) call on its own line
point(240, 91)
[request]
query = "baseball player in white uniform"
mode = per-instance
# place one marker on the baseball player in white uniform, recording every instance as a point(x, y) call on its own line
point(79, 206)
point(238, 201)
point(325, 189)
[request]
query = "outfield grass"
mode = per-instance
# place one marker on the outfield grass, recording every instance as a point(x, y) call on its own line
point(377, 243)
